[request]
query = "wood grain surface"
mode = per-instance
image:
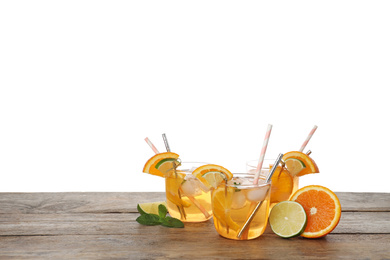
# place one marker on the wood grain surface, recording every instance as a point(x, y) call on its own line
point(103, 226)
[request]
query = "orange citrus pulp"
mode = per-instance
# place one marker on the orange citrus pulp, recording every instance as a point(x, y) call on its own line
point(222, 199)
point(161, 164)
point(305, 162)
point(172, 190)
point(322, 208)
point(212, 175)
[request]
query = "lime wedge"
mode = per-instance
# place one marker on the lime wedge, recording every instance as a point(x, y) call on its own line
point(294, 166)
point(151, 207)
point(166, 160)
point(165, 166)
point(288, 219)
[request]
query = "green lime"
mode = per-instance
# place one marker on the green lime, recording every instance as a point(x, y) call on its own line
point(151, 207)
point(288, 219)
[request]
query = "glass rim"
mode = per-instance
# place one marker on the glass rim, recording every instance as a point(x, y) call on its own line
point(249, 176)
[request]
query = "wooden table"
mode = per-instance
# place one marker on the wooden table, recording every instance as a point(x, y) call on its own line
point(102, 225)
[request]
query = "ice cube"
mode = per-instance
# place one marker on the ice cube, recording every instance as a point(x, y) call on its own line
point(238, 200)
point(257, 194)
point(190, 187)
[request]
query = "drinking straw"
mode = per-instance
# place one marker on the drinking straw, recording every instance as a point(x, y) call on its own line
point(197, 204)
point(262, 154)
point(271, 172)
point(227, 225)
point(151, 145)
point(166, 142)
point(180, 208)
point(252, 215)
point(308, 138)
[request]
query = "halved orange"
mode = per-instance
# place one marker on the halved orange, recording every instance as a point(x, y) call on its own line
point(322, 208)
point(299, 164)
point(282, 185)
point(212, 175)
point(161, 164)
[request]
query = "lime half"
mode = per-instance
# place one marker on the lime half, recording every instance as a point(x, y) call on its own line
point(294, 166)
point(288, 219)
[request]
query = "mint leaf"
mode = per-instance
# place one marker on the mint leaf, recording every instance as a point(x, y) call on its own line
point(149, 219)
point(162, 211)
point(140, 210)
point(172, 222)
point(160, 219)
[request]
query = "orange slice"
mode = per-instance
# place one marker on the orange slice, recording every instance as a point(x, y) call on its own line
point(212, 175)
point(172, 191)
point(322, 208)
point(299, 164)
point(282, 185)
point(221, 203)
point(161, 164)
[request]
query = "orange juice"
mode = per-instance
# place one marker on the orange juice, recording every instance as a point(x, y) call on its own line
point(233, 203)
point(187, 198)
point(283, 183)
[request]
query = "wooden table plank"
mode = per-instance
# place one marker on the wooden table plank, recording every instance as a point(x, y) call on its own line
point(183, 246)
point(100, 202)
point(75, 202)
point(124, 223)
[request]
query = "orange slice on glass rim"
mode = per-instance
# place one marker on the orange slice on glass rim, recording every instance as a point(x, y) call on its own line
point(212, 175)
point(299, 164)
point(161, 164)
point(322, 207)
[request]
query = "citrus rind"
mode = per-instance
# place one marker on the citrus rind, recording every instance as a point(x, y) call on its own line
point(212, 175)
point(156, 163)
point(306, 160)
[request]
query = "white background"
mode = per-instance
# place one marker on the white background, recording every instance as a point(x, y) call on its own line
point(82, 83)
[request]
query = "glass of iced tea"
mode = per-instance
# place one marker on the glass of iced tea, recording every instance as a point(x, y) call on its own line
point(236, 201)
point(188, 199)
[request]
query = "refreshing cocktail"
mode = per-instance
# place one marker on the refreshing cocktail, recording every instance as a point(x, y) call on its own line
point(233, 203)
point(283, 183)
point(285, 180)
point(188, 199)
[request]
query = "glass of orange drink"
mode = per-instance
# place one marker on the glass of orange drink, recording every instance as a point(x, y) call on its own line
point(233, 203)
point(285, 180)
point(188, 199)
point(283, 183)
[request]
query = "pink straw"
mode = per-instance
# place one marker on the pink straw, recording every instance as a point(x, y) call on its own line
point(151, 145)
point(262, 154)
point(308, 138)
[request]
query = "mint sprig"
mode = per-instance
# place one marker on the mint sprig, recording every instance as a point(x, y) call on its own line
point(160, 219)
